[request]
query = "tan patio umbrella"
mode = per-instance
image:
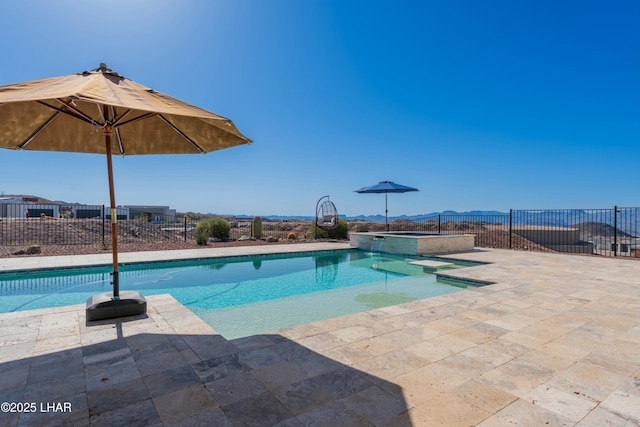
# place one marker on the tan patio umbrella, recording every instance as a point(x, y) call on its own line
point(101, 112)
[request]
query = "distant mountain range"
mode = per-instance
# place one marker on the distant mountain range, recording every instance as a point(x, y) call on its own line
point(370, 218)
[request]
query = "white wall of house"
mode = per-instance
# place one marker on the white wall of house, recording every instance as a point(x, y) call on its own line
point(156, 213)
point(120, 211)
point(14, 207)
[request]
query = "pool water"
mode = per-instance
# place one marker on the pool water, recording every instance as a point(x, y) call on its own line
point(243, 296)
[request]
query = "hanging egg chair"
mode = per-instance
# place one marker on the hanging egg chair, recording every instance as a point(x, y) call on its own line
point(326, 214)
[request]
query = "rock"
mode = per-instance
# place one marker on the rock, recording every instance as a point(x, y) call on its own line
point(243, 238)
point(31, 250)
point(271, 239)
point(34, 249)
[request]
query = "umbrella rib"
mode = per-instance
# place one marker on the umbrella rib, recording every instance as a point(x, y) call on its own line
point(119, 141)
point(179, 132)
point(144, 116)
point(117, 121)
point(77, 113)
point(115, 126)
point(40, 129)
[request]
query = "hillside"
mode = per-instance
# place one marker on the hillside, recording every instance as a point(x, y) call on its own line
point(31, 199)
point(599, 229)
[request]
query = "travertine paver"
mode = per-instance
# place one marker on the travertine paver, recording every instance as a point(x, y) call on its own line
point(555, 341)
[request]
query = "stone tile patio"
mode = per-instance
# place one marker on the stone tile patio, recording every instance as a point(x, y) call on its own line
point(555, 341)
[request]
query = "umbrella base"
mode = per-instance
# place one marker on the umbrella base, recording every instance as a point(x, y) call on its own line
point(104, 306)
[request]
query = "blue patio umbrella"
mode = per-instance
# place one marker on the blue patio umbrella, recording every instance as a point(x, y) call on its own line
point(386, 187)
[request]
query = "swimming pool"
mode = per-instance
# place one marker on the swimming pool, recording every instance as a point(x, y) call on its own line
point(243, 296)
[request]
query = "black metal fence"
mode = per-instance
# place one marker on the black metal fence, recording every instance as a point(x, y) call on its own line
point(280, 230)
point(32, 224)
point(607, 232)
point(83, 225)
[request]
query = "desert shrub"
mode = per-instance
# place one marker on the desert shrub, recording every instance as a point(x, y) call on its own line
point(218, 228)
point(340, 232)
point(291, 236)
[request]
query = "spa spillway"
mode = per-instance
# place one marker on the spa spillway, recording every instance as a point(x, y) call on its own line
point(411, 243)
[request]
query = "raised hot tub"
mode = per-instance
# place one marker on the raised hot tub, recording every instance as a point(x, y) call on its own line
point(411, 242)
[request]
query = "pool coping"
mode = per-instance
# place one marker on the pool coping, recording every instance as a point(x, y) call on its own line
point(8, 265)
point(166, 261)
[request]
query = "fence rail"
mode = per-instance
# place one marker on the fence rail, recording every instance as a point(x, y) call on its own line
point(605, 232)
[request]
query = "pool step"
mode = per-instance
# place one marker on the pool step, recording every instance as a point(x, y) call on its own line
point(430, 266)
point(395, 266)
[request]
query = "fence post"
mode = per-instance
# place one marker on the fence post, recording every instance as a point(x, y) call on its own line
point(615, 231)
point(510, 228)
point(185, 228)
point(103, 219)
point(439, 232)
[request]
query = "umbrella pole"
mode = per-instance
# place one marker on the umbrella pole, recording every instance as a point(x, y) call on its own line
point(107, 305)
point(114, 216)
point(386, 212)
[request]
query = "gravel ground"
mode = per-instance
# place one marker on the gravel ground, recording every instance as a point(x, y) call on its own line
point(56, 250)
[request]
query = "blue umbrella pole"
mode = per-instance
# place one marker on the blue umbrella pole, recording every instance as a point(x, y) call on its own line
point(386, 211)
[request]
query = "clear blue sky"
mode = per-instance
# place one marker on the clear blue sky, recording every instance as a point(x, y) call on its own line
point(482, 105)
